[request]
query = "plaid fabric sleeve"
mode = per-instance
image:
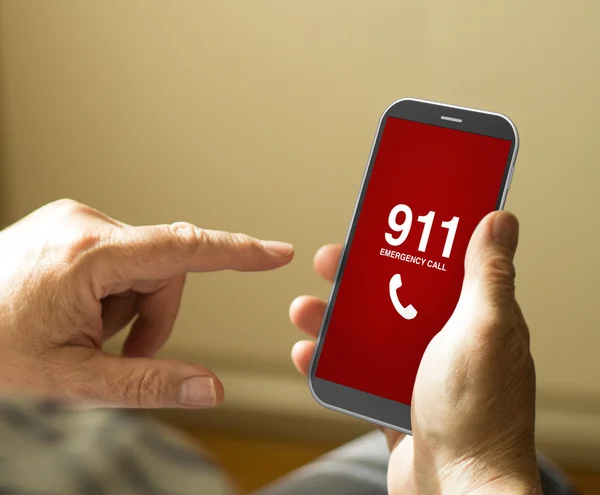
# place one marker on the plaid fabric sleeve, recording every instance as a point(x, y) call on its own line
point(50, 449)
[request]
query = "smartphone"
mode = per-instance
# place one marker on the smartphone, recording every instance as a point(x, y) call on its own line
point(434, 172)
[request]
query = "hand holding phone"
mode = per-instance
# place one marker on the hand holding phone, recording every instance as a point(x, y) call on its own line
point(434, 172)
point(474, 396)
point(401, 328)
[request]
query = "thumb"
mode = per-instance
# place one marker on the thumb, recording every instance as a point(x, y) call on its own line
point(489, 268)
point(146, 383)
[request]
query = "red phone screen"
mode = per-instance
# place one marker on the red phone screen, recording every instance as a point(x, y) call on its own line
point(429, 188)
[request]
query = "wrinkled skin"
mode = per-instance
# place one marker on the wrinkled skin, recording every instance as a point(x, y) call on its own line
point(72, 278)
point(473, 407)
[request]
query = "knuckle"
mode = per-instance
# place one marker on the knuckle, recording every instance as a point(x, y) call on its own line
point(238, 240)
point(64, 203)
point(499, 267)
point(187, 239)
point(69, 207)
point(68, 250)
point(144, 388)
point(187, 236)
point(81, 244)
point(66, 211)
point(71, 247)
point(70, 237)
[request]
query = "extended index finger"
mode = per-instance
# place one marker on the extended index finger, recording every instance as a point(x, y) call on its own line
point(164, 251)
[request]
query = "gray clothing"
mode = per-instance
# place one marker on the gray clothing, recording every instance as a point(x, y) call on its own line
point(48, 449)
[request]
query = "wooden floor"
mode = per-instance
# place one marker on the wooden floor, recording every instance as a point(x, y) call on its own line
point(279, 457)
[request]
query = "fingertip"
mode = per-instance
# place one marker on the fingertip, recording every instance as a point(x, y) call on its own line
point(489, 264)
point(496, 229)
point(325, 252)
point(505, 230)
point(218, 388)
point(302, 353)
point(269, 255)
point(499, 226)
point(319, 253)
point(219, 391)
point(281, 249)
point(326, 260)
point(295, 349)
point(296, 307)
point(307, 312)
point(201, 391)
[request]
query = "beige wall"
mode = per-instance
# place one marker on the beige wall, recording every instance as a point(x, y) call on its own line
point(258, 117)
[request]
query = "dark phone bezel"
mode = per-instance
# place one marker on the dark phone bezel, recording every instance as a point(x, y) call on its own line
point(362, 405)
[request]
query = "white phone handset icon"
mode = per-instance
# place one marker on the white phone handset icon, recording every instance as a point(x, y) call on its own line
point(408, 312)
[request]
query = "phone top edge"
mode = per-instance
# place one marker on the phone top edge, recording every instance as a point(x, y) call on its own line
point(456, 107)
point(502, 116)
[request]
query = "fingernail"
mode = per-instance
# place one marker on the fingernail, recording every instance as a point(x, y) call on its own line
point(278, 248)
point(505, 231)
point(198, 391)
